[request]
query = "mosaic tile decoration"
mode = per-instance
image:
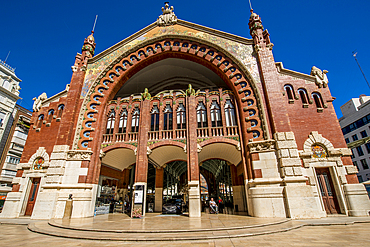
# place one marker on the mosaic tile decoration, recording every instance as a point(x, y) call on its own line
point(318, 152)
point(244, 53)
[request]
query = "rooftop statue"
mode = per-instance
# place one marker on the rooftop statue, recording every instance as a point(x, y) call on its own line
point(320, 76)
point(38, 102)
point(168, 17)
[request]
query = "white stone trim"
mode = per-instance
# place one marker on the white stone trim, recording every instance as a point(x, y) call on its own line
point(41, 152)
point(315, 137)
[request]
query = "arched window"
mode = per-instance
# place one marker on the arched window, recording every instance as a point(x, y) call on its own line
point(304, 97)
point(6, 84)
point(215, 114)
point(110, 122)
point(50, 115)
point(230, 113)
point(135, 119)
point(167, 125)
point(123, 122)
point(154, 123)
point(181, 117)
point(202, 116)
point(290, 93)
point(39, 120)
point(318, 100)
point(60, 110)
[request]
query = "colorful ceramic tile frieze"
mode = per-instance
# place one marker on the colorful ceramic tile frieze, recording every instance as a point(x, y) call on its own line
point(244, 53)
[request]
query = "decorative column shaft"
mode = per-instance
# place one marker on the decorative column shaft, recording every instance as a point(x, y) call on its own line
point(192, 153)
point(141, 157)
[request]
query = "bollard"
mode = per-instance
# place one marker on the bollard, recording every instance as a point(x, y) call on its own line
point(68, 208)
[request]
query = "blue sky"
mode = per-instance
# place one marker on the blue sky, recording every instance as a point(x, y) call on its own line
point(44, 36)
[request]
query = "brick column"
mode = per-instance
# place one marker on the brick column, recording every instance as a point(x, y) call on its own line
point(192, 153)
point(116, 120)
point(141, 168)
point(222, 109)
point(141, 157)
point(70, 112)
point(158, 190)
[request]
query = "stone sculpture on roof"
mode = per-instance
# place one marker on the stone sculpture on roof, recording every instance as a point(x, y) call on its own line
point(320, 76)
point(168, 17)
point(38, 102)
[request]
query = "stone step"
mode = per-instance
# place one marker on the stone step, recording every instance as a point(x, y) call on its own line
point(167, 235)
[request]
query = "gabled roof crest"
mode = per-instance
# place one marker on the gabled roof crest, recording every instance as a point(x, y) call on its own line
point(168, 17)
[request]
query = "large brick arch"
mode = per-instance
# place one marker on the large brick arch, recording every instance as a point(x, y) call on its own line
point(219, 140)
point(167, 143)
point(118, 145)
point(235, 75)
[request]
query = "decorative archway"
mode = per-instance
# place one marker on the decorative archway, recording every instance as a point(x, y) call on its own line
point(235, 75)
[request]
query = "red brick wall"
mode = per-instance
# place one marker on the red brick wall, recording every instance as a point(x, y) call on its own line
point(47, 135)
point(305, 120)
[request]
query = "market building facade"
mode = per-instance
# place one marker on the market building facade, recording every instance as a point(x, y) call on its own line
point(178, 103)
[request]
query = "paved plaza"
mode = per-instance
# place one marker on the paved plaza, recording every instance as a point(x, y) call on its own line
point(331, 231)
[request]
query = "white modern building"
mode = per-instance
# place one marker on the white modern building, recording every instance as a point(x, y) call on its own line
point(14, 147)
point(9, 94)
point(355, 125)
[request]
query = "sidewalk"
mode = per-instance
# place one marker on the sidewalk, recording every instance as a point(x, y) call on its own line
point(159, 228)
point(18, 221)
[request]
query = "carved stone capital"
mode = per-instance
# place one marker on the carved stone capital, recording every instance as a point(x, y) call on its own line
point(148, 151)
point(79, 155)
point(102, 154)
point(262, 146)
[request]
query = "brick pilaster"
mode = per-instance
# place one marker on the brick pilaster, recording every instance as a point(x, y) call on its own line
point(191, 126)
point(141, 157)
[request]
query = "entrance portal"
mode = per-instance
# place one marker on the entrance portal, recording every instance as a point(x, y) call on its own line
point(217, 174)
point(175, 184)
point(32, 196)
point(327, 191)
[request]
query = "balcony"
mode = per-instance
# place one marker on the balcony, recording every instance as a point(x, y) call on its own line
point(168, 117)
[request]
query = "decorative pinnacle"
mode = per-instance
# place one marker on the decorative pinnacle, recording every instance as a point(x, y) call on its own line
point(168, 17)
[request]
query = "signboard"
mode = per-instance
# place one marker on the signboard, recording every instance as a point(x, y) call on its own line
point(138, 205)
point(139, 196)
